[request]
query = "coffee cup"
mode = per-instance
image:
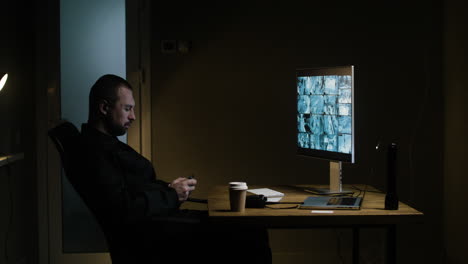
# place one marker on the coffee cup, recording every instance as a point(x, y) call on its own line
point(237, 194)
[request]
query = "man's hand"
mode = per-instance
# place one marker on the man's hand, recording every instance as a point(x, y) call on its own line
point(183, 187)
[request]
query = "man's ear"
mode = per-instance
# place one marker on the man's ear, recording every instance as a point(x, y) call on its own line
point(104, 107)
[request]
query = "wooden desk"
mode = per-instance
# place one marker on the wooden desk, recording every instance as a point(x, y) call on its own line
point(371, 214)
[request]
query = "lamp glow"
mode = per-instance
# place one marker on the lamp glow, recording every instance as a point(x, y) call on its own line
point(3, 81)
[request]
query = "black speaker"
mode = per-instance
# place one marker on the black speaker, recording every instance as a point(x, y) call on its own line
point(391, 199)
point(255, 201)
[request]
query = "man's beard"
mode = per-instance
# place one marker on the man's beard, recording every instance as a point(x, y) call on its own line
point(114, 128)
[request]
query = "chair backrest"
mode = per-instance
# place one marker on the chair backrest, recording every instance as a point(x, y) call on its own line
point(66, 138)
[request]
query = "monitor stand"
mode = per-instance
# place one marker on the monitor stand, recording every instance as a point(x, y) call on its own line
point(335, 182)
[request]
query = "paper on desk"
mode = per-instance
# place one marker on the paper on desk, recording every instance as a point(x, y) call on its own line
point(271, 195)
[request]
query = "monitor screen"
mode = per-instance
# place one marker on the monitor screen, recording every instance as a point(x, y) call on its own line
point(325, 114)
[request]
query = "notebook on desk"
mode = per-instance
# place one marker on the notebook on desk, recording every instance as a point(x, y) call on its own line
point(271, 195)
point(329, 203)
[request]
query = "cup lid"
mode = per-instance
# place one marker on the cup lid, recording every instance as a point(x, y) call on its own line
point(238, 188)
point(237, 184)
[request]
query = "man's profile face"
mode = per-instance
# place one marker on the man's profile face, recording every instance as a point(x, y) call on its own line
point(121, 115)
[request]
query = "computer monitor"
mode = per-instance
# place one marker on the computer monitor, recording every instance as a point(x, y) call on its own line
point(325, 118)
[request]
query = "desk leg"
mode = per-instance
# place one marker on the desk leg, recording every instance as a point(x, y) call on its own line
point(356, 239)
point(391, 244)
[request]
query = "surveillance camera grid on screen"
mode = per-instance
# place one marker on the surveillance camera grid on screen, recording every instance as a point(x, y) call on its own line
point(324, 117)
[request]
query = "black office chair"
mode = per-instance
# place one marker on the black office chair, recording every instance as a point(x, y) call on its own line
point(66, 138)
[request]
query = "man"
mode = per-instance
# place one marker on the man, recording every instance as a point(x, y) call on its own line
point(139, 214)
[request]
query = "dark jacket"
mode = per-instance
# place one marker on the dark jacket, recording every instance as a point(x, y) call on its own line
point(118, 184)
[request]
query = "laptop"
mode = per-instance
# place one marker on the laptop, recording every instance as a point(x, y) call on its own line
point(329, 203)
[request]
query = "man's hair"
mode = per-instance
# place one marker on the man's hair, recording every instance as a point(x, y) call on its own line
point(105, 89)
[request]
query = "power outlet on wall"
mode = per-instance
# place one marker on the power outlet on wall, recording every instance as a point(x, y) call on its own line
point(168, 46)
point(176, 46)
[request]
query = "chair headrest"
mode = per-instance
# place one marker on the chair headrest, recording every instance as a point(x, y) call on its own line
point(66, 138)
point(64, 130)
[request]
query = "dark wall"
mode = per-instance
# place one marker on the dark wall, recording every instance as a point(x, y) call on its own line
point(18, 226)
point(226, 110)
point(456, 129)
